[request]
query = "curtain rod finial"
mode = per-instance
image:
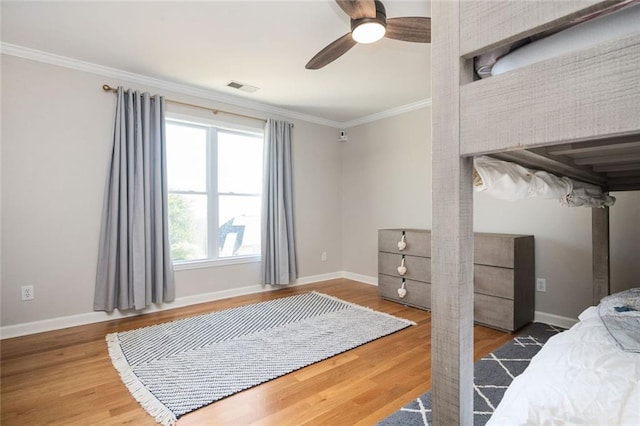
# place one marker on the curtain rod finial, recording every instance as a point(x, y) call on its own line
point(108, 88)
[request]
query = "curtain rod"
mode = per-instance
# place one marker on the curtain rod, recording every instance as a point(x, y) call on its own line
point(108, 88)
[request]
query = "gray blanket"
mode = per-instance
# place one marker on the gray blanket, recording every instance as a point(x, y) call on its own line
point(620, 314)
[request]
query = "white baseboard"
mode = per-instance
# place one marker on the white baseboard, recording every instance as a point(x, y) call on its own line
point(318, 278)
point(557, 320)
point(24, 329)
point(94, 317)
point(360, 278)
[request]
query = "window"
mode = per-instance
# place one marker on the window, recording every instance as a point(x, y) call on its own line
point(214, 181)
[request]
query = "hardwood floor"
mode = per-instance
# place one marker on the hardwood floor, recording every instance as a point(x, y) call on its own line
point(65, 377)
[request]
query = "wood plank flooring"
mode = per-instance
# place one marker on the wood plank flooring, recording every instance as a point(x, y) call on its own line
point(65, 377)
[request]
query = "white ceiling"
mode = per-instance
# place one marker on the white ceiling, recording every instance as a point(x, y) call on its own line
point(261, 43)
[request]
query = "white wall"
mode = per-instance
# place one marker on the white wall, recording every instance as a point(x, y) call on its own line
point(387, 184)
point(56, 141)
point(386, 167)
point(625, 234)
point(563, 245)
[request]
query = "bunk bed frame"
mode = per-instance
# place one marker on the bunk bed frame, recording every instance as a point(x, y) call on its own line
point(576, 115)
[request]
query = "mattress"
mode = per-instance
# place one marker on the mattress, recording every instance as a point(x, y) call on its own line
point(624, 21)
point(579, 377)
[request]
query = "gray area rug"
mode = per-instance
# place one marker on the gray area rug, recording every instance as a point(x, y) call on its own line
point(491, 377)
point(174, 368)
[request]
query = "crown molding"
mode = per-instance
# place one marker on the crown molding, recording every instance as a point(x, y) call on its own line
point(186, 89)
point(388, 113)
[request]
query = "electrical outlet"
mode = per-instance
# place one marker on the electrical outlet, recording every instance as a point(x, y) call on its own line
point(324, 256)
point(541, 284)
point(27, 292)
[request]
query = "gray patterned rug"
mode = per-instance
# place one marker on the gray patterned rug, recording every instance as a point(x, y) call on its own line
point(491, 377)
point(174, 368)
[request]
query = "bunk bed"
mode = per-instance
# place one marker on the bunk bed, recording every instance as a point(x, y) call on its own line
point(576, 114)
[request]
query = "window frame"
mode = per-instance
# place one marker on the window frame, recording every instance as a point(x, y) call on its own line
point(213, 128)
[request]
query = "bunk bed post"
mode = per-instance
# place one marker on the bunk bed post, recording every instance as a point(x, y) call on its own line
point(600, 253)
point(452, 233)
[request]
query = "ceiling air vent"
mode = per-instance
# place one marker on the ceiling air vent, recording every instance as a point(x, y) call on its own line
point(241, 86)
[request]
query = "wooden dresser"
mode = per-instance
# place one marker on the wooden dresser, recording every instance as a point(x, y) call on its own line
point(503, 274)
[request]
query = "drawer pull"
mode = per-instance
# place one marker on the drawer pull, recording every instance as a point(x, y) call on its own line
point(402, 269)
point(402, 291)
point(402, 244)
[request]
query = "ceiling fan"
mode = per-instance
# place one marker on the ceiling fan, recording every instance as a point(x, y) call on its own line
point(369, 23)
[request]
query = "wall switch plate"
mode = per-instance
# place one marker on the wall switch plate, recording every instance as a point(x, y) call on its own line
point(27, 292)
point(324, 256)
point(541, 284)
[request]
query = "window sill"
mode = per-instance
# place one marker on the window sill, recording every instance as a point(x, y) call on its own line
point(212, 263)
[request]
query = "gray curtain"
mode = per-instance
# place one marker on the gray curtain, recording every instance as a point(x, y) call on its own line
point(134, 262)
point(278, 240)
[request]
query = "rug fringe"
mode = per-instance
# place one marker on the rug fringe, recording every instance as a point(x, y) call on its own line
point(139, 391)
point(366, 308)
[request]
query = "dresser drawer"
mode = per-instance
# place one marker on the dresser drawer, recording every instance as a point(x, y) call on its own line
point(493, 311)
point(493, 249)
point(418, 241)
point(502, 250)
point(493, 281)
point(418, 293)
point(418, 268)
point(503, 274)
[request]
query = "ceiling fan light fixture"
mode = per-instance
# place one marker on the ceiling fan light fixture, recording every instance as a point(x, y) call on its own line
point(368, 31)
point(369, 25)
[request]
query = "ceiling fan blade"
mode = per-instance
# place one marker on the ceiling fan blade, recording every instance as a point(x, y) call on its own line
point(416, 29)
point(332, 52)
point(357, 9)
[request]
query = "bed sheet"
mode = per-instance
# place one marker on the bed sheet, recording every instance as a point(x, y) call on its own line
point(580, 377)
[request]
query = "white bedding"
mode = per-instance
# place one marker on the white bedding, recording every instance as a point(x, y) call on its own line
point(588, 34)
point(580, 377)
point(510, 181)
